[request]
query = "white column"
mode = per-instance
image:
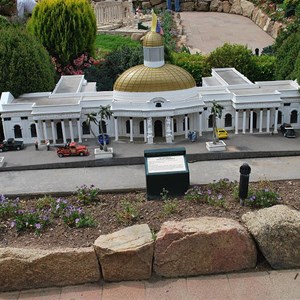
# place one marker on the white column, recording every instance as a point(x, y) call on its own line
point(251, 121)
point(79, 131)
point(71, 130)
point(53, 132)
point(45, 130)
point(131, 129)
point(186, 126)
point(236, 122)
point(145, 130)
point(116, 129)
point(200, 123)
point(268, 120)
point(172, 125)
point(276, 120)
point(260, 119)
point(38, 133)
point(63, 131)
point(168, 130)
point(244, 121)
point(149, 131)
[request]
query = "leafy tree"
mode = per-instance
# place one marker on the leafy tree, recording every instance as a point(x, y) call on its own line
point(66, 28)
point(216, 112)
point(25, 66)
point(195, 64)
point(265, 66)
point(287, 55)
point(233, 56)
point(104, 113)
point(114, 64)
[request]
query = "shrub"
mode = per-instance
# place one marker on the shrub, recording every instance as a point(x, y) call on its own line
point(67, 28)
point(170, 207)
point(195, 64)
point(8, 207)
point(25, 65)
point(265, 66)
point(75, 217)
point(262, 198)
point(128, 213)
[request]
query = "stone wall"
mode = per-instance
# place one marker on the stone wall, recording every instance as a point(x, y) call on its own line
point(190, 247)
point(238, 7)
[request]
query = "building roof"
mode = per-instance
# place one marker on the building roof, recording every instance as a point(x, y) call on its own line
point(153, 39)
point(144, 79)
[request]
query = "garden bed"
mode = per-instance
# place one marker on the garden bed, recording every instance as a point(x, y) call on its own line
point(79, 219)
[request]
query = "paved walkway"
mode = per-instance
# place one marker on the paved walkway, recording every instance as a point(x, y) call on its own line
point(208, 30)
point(274, 285)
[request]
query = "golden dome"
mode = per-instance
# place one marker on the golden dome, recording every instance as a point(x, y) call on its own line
point(153, 39)
point(144, 79)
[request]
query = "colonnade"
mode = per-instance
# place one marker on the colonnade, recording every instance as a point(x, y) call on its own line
point(44, 134)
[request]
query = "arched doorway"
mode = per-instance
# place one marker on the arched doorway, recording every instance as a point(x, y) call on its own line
point(254, 120)
point(59, 131)
point(158, 128)
point(1, 131)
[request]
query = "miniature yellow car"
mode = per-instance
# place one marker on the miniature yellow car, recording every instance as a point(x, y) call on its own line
point(221, 133)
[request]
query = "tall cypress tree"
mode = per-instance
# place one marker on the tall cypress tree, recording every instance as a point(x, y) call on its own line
point(66, 28)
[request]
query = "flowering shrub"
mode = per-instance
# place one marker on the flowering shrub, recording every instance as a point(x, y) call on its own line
point(8, 207)
point(75, 217)
point(30, 220)
point(87, 194)
point(262, 198)
point(78, 65)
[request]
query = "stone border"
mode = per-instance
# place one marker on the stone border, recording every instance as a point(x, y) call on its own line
point(196, 246)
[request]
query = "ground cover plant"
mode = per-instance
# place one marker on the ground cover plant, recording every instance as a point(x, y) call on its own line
point(79, 219)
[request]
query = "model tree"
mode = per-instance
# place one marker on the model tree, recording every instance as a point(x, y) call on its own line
point(216, 112)
point(24, 63)
point(66, 28)
point(104, 113)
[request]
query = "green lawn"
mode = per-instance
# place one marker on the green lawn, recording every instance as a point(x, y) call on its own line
point(106, 43)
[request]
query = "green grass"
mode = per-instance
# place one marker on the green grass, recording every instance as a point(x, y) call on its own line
point(107, 43)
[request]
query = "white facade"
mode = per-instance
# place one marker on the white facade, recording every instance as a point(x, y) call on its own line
point(249, 108)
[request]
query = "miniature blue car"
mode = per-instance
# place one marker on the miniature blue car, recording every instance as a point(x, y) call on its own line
point(100, 139)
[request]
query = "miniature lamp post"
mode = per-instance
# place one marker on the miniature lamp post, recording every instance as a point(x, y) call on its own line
point(245, 171)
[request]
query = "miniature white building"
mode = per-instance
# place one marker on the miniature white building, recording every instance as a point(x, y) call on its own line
point(149, 101)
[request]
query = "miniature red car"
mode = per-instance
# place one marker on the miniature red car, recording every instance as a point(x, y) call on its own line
point(72, 149)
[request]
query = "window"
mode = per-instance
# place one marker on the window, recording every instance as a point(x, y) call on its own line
point(158, 104)
point(286, 104)
point(142, 127)
point(128, 127)
point(228, 120)
point(7, 119)
point(33, 130)
point(188, 121)
point(210, 121)
point(294, 116)
point(18, 131)
point(24, 118)
point(85, 128)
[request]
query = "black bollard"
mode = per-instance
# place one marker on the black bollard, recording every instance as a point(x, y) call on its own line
point(256, 51)
point(245, 171)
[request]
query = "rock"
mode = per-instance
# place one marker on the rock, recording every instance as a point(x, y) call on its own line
point(236, 7)
point(155, 2)
point(277, 233)
point(23, 268)
point(247, 8)
point(187, 6)
point(202, 5)
point(126, 254)
point(146, 5)
point(226, 7)
point(276, 29)
point(261, 19)
point(205, 245)
point(215, 4)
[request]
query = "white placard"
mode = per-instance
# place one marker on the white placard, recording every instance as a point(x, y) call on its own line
point(166, 164)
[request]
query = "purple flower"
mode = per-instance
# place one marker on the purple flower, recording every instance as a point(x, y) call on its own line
point(38, 226)
point(220, 196)
point(209, 192)
point(77, 220)
point(12, 224)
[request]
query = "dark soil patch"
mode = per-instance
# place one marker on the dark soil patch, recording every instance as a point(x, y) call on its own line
point(115, 211)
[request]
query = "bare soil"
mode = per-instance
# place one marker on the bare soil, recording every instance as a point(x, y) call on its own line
point(116, 211)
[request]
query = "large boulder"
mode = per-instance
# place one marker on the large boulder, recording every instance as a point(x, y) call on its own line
point(236, 7)
point(126, 254)
point(187, 6)
point(201, 5)
point(203, 246)
point(277, 233)
point(247, 8)
point(23, 268)
point(215, 5)
point(226, 7)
